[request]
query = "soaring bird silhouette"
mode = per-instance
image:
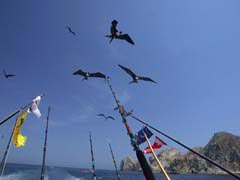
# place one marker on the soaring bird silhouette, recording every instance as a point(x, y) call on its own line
point(86, 75)
point(135, 77)
point(8, 75)
point(70, 30)
point(118, 35)
point(106, 117)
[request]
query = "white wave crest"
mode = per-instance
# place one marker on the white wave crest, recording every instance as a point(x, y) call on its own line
point(16, 176)
point(70, 177)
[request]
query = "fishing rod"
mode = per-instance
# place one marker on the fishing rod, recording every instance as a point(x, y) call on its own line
point(141, 158)
point(114, 162)
point(13, 114)
point(188, 148)
point(16, 112)
point(45, 147)
point(93, 163)
point(3, 162)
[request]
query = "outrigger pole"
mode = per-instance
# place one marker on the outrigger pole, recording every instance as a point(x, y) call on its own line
point(93, 163)
point(45, 147)
point(3, 162)
point(16, 112)
point(13, 114)
point(188, 148)
point(141, 158)
point(114, 162)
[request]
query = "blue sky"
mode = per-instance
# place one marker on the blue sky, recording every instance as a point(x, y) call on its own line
point(191, 48)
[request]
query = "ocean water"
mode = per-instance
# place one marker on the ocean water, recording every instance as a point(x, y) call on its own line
point(32, 172)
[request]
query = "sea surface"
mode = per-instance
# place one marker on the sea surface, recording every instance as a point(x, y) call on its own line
point(32, 172)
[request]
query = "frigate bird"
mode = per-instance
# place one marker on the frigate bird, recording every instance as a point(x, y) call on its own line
point(106, 117)
point(70, 30)
point(118, 35)
point(8, 75)
point(135, 77)
point(86, 75)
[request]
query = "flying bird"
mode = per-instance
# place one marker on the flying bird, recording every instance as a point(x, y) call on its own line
point(86, 75)
point(135, 77)
point(8, 75)
point(106, 117)
point(70, 30)
point(118, 35)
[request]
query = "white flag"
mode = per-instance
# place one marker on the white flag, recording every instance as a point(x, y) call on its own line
point(34, 107)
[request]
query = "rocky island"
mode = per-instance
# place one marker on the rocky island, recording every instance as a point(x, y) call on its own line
point(223, 148)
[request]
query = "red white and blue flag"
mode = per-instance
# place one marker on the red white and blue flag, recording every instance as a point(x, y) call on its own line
point(158, 143)
point(140, 135)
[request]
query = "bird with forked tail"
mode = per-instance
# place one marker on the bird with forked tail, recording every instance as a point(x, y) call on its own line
point(118, 35)
point(106, 117)
point(70, 30)
point(8, 75)
point(86, 75)
point(135, 77)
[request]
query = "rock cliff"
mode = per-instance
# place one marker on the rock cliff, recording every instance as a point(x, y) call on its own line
point(223, 148)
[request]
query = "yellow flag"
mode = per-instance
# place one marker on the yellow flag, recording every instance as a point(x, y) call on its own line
point(18, 139)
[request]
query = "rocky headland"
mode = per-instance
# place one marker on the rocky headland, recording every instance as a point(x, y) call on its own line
point(223, 148)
